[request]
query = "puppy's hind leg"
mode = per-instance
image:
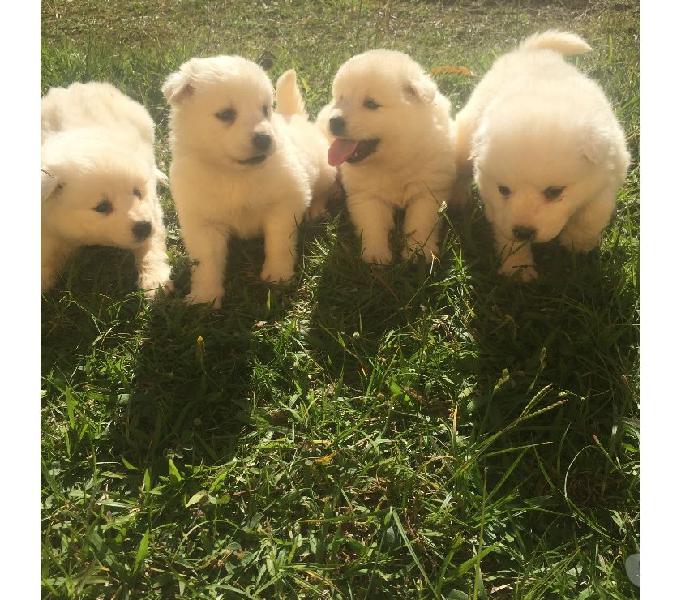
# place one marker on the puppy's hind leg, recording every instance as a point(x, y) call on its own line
point(324, 191)
point(583, 231)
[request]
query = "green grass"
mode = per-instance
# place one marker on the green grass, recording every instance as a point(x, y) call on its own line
point(361, 433)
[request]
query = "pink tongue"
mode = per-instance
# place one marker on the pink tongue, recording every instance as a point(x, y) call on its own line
point(340, 150)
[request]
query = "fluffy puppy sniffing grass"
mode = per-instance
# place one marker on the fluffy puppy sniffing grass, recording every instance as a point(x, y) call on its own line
point(98, 181)
point(238, 168)
point(545, 148)
point(393, 142)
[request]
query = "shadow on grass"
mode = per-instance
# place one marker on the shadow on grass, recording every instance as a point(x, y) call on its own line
point(357, 306)
point(173, 380)
point(189, 397)
point(199, 372)
point(91, 298)
point(567, 343)
point(574, 328)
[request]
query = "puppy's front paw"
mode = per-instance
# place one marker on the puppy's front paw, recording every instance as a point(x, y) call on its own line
point(578, 243)
point(155, 284)
point(377, 256)
point(205, 296)
point(162, 289)
point(316, 210)
point(273, 273)
point(413, 251)
point(47, 281)
point(528, 273)
point(524, 273)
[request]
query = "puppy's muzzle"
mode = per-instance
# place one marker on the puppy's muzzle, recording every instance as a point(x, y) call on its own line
point(262, 141)
point(337, 125)
point(524, 234)
point(141, 230)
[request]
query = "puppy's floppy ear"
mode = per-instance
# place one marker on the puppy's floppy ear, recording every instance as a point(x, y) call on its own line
point(177, 87)
point(420, 88)
point(48, 183)
point(595, 145)
point(599, 148)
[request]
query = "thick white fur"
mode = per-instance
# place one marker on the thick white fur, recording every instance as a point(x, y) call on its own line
point(413, 165)
point(535, 121)
point(217, 196)
point(99, 144)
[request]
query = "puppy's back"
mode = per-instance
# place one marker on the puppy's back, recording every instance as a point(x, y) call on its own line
point(536, 71)
point(93, 104)
point(535, 67)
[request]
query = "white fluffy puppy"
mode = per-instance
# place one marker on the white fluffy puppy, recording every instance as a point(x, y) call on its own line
point(237, 168)
point(98, 177)
point(546, 150)
point(394, 143)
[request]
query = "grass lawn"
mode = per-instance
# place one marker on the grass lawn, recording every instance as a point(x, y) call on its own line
point(361, 433)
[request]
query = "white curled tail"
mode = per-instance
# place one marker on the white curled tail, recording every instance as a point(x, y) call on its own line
point(563, 42)
point(288, 96)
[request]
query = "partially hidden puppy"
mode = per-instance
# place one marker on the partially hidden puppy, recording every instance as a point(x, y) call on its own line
point(98, 181)
point(545, 148)
point(240, 169)
point(393, 140)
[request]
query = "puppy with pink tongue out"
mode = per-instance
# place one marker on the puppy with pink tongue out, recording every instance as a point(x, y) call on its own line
point(392, 138)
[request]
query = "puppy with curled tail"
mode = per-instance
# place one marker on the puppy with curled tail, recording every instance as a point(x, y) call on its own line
point(545, 148)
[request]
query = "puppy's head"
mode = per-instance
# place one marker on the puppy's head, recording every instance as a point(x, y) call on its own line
point(536, 164)
point(380, 99)
point(93, 193)
point(221, 110)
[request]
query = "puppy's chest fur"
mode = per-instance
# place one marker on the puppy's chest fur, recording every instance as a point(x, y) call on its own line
point(237, 201)
point(398, 187)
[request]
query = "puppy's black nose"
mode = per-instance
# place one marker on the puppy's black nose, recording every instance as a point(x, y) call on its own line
point(337, 125)
point(141, 230)
point(524, 234)
point(262, 141)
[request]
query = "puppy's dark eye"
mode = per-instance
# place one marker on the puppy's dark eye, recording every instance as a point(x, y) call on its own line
point(266, 110)
point(371, 104)
point(227, 115)
point(104, 207)
point(553, 192)
point(504, 191)
point(137, 193)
